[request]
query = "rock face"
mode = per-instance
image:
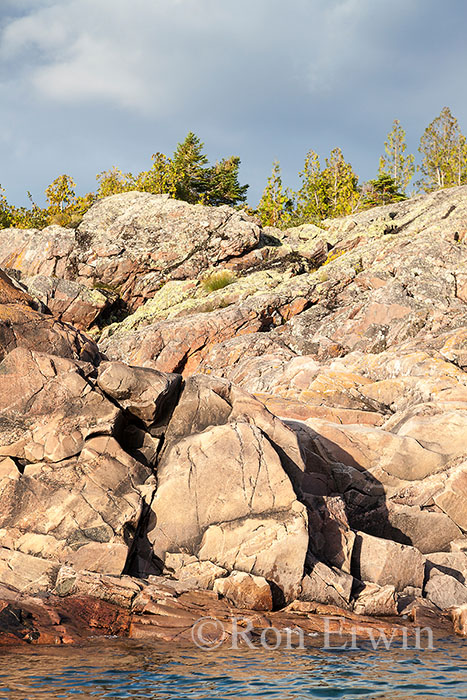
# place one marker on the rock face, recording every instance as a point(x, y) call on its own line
point(128, 244)
point(69, 492)
point(223, 491)
point(49, 408)
point(121, 468)
point(387, 563)
point(295, 436)
point(22, 325)
point(70, 301)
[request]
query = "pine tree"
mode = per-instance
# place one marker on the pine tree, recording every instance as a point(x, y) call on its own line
point(275, 203)
point(395, 163)
point(381, 191)
point(444, 152)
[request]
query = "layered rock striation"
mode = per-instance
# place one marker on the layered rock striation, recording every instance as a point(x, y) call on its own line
point(296, 437)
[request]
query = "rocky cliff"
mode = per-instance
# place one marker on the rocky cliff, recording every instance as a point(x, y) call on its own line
point(295, 435)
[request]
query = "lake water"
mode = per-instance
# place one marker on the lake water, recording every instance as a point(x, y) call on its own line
point(131, 669)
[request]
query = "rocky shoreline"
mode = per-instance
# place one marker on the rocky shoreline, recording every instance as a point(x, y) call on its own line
point(291, 444)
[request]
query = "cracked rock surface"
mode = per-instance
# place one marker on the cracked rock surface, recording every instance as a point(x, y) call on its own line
point(297, 437)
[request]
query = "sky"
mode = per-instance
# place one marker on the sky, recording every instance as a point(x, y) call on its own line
point(88, 84)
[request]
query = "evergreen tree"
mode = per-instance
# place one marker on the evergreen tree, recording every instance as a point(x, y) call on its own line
point(381, 191)
point(189, 172)
point(275, 203)
point(395, 163)
point(444, 152)
point(222, 184)
point(194, 181)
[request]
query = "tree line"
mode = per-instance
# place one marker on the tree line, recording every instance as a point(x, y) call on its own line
point(329, 189)
point(332, 189)
point(187, 175)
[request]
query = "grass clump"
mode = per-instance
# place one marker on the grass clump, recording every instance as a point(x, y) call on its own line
point(218, 280)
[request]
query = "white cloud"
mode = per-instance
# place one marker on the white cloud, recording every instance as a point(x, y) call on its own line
point(79, 50)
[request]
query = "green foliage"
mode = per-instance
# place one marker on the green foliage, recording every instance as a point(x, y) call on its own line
point(113, 181)
point(326, 193)
point(159, 179)
point(5, 210)
point(381, 191)
point(444, 152)
point(311, 197)
point(395, 163)
point(187, 175)
point(194, 181)
point(223, 186)
point(276, 204)
point(218, 280)
point(341, 182)
point(61, 194)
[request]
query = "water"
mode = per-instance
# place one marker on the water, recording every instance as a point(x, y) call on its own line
point(136, 670)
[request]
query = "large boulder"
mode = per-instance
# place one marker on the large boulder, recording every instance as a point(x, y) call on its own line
point(445, 591)
point(245, 591)
point(71, 301)
point(372, 599)
point(23, 325)
point(387, 563)
point(48, 407)
point(128, 243)
point(327, 585)
point(82, 511)
point(144, 392)
point(225, 486)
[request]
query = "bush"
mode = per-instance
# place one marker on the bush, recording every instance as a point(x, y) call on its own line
point(218, 280)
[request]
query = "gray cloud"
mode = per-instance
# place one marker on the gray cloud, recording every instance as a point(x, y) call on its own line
point(86, 84)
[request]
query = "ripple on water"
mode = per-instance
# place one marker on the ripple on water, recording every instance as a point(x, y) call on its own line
point(136, 671)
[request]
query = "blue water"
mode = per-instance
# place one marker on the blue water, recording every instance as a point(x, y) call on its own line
point(136, 670)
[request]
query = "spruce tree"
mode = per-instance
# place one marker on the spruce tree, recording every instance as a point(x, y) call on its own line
point(222, 184)
point(381, 191)
point(189, 172)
